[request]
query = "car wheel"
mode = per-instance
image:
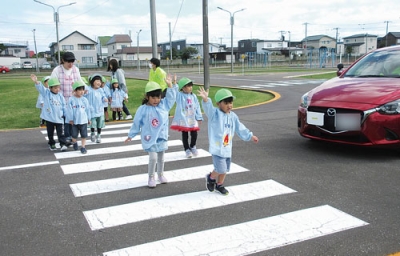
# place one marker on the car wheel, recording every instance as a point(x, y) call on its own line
point(3, 71)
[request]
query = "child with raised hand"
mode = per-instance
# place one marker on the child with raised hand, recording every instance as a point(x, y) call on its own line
point(39, 102)
point(53, 110)
point(151, 120)
point(96, 98)
point(222, 125)
point(117, 98)
point(78, 115)
point(187, 116)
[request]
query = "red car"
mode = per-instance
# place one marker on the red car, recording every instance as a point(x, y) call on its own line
point(361, 106)
point(4, 69)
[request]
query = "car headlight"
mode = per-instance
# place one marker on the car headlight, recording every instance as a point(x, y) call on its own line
point(391, 108)
point(305, 100)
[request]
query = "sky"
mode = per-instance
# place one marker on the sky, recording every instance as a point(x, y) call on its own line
point(261, 19)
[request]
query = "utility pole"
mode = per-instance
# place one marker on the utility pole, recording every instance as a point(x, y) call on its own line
point(336, 46)
point(170, 43)
point(153, 28)
point(305, 36)
point(36, 53)
point(206, 57)
point(387, 27)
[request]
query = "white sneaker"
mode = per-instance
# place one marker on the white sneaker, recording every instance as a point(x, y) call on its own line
point(93, 137)
point(152, 182)
point(162, 179)
point(128, 117)
point(64, 148)
point(98, 140)
point(194, 150)
point(188, 153)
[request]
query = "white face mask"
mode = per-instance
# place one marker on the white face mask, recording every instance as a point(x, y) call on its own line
point(150, 65)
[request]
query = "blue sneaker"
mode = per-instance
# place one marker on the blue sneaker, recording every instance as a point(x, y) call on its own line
point(83, 150)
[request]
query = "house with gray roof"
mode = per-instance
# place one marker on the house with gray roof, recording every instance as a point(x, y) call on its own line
point(360, 44)
point(391, 38)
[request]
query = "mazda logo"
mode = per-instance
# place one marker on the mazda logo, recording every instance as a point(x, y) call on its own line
point(331, 112)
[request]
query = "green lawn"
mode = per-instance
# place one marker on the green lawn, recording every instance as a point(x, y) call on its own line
point(19, 96)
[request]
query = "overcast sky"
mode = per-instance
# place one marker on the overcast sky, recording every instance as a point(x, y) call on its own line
point(261, 19)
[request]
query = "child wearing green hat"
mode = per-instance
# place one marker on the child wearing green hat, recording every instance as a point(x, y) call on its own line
point(187, 116)
point(151, 120)
point(53, 110)
point(78, 115)
point(39, 102)
point(222, 126)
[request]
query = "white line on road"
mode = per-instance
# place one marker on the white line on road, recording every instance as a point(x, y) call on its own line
point(140, 180)
point(166, 206)
point(28, 165)
point(253, 236)
point(124, 162)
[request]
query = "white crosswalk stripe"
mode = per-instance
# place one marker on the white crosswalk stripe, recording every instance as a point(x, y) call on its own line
point(244, 238)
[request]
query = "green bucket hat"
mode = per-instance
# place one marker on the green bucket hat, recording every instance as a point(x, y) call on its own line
point(84, 80)
point(184, 81)
point(94, 75)
point(151, 86)
point(78, 83)
point(45, 79)
point(53, 82)
point(222, 94)
point(114, 80)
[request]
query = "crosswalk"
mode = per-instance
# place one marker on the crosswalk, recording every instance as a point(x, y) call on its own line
point(242, 239)
point(283, 83)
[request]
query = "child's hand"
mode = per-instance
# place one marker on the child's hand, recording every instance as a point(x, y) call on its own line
point(168, 80)
point(34, 78)
point(254, 139)
point(203, 94)
point(105, 100)
point(71, 122)
point(175, 79)
point(89, 122)
point(128, 139)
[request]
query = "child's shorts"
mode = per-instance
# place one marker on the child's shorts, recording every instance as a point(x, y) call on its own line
point(97, 122)
point(79, 128)
point(222, 165)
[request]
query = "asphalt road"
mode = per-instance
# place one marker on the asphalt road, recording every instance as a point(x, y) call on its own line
point(339, 200)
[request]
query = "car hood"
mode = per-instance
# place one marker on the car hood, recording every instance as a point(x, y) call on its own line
point(353, 91)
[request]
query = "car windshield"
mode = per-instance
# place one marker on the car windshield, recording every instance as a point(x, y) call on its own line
point(377, 64)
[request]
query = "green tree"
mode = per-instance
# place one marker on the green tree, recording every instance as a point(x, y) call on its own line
point(188, 52)
point(2, 48)
point(174, 54)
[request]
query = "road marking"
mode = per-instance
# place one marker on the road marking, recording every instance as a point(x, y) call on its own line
point(109, 150)
point(253, 236)
point(166, 206)
point(103, 141)
point(140, 180)
point(27, 165)
point(124, 162)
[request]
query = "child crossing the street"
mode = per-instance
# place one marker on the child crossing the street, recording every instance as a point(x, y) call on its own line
point(78, 115)
point(151, 120)
point(188, 117)
point(39, 102)
point(222, 125)
point(53, 110)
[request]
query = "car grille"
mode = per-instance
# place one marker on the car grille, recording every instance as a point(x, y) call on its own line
point(329, 121)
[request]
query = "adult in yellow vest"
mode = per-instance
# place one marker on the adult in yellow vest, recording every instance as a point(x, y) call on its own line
point(157, 74)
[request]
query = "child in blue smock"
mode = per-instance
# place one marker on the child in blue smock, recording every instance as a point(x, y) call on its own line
point(107, 94)
point(151, 120)
point(222, 126)
point(39, 102)
point(96, 98)
point(53, 110)
point(78, 115)
point(187, 116)
point(117, 98)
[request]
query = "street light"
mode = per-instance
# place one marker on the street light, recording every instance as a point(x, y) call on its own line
point(37, 61)
point(138, 48)
point(232, 15)
point(56, 19)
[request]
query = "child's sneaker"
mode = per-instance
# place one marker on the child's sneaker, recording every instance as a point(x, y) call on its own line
point(52, 147)
point(128, 117)
point(116, 119)
point(83, 150)
point(210, 184)
point(75, 145)
point(188, 153)
point(64, 148)
point(98, 140)
point(152, 182)
point(194, 151)
point(162, 179)
point(221, 189)
point(92, 137)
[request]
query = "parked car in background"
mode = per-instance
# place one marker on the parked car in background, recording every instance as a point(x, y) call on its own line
point(16, 65)
point(27, 64)
point(46, 65)
point(4, 69)
point(360, 107)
